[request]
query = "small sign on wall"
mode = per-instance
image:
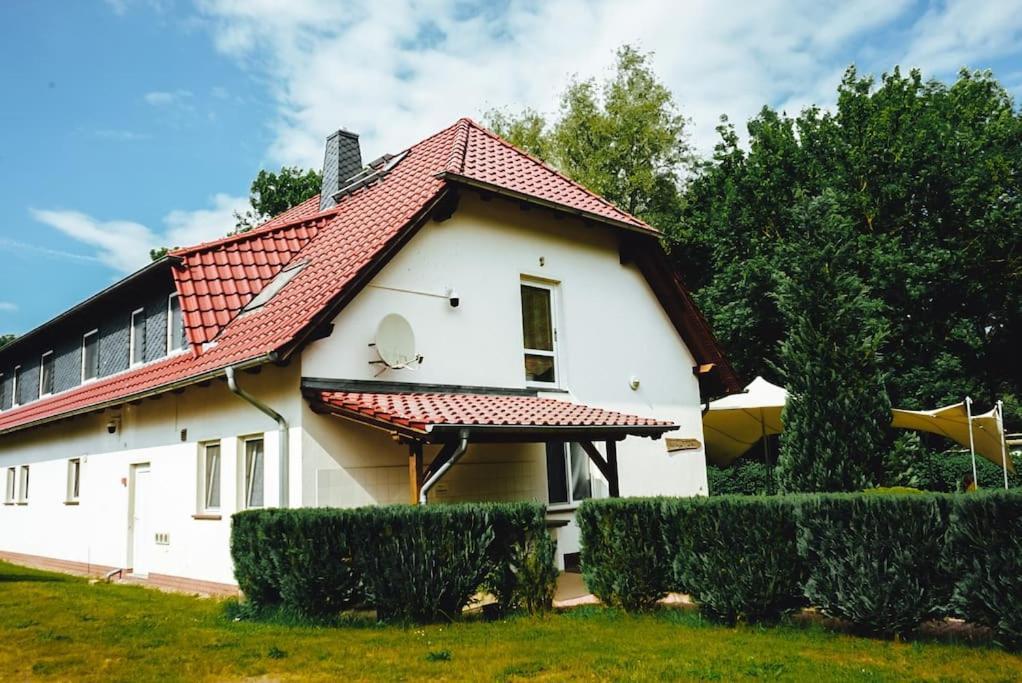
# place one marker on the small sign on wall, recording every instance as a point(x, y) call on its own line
point(677, 445)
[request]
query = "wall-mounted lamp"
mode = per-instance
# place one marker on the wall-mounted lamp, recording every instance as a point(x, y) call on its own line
point(633, 382)
point(112, 425)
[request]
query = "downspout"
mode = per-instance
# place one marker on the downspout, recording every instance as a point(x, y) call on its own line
point(436, 476)
point(232, 384)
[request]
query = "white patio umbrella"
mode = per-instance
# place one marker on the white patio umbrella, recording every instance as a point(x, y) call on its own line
point(735, 423)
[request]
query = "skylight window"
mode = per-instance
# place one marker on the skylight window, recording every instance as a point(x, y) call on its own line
point(370, 174)
point(273, 288)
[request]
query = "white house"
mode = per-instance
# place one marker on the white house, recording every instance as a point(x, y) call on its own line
point(537, 346)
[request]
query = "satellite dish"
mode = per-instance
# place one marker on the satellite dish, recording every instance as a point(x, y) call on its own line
point(395, 342)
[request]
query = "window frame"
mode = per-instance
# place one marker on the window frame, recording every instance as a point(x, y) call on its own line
point(171, 349)
point(48, 356)
point(15, 388)
point(74, 480)
point(85, 341)
point(553, 288)
point(23, 481)
point(3, 391)
point(133, 342)
point(10, 485)
point(246, 483)
point(571, 503)
point(203, 483)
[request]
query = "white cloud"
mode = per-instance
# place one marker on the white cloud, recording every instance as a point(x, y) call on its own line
point(396, 71)
point(8, 307)
point(121, 135)
point(124, 245)
point(164, 98)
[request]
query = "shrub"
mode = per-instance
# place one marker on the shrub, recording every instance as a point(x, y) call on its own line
point(411, 563)
point(424, 564)
point(252, 533)
point(874, 560)
point(984, 552)
point(624, 560)
point(524, 571)
point(744, 478)
point(735, 555)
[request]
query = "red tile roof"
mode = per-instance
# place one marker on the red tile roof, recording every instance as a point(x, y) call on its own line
point(341, 247)
point(422, 412)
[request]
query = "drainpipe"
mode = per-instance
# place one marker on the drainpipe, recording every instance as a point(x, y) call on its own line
point(455, 456)
point(282, 430)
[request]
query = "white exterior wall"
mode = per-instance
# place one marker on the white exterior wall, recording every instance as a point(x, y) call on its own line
point(610, 328)
point(96, 530)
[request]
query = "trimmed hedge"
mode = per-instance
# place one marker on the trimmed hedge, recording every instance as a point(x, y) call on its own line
point(875, 560)
point(410, 563)
point(735, 555)
point(984, 552)
point(624, 560)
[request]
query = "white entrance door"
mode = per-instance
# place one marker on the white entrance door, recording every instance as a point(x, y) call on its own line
point(141, 534)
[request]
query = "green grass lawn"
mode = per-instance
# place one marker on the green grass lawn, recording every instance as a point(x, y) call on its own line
point(61, 627)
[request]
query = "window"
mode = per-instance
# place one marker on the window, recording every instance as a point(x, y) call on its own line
point(175, 324)
point(23, 493)
point(16, 387)
point(136, 338)
point(253, 479)
point(12, 477)
point(46, 374)
point(74, 479)
point(209, 470)
point(568, 477)
point(273, 288)
point(90, 356)
point(539, 332)
point(3, 391)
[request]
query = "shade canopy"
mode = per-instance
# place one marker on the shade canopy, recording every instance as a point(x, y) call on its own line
point(953, 422)
point(735, 423)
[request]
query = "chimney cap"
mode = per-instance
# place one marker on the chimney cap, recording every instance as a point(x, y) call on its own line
point(345, 132)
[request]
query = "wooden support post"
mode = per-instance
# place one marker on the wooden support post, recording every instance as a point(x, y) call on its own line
point(613, 483)
point(414, 471)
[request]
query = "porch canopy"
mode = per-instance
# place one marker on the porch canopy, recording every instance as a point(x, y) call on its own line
point(455, 419)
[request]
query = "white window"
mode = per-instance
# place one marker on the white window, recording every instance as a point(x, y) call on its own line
point(46, 374)
point(136, 340)
point(539, 332)
point(3, 392)
point(252, 481)
point(23, 492)
point(74, 479)
point(567, 470)
point(90, 355)
point(12, 481)
point(175, 324)
point(209, 477)
point(16, 387)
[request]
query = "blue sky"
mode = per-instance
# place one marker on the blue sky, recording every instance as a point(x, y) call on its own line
point(129, 124)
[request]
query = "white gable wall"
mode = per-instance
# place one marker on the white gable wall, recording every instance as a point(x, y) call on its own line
point(610, 328)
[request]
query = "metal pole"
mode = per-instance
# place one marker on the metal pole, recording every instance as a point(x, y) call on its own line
point(766, 452)
point(1004, 444)
point(972, 445)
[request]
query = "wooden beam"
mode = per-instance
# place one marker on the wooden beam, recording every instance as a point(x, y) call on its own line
point(613, 483)
point(597, 459)
point(414, 471)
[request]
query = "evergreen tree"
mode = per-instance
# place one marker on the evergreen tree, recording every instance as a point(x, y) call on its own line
point(838, 410)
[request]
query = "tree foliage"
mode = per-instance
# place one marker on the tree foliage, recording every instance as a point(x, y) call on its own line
point(837, 411)
point(6, 339)
point(623, 138)
point(274, 193)
point(930, 176)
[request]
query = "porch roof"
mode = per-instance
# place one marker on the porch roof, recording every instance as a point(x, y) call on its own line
point(439, 416)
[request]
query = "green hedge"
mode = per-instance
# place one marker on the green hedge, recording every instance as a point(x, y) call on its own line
point(984, 553)
point(875, 560)
point(742, 478)
point(735, 555)
point(624, 560)
point(410, 563)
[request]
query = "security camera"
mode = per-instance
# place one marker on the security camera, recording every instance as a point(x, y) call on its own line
point(452, 298)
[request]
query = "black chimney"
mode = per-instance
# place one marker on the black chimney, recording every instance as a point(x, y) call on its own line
point(342, 160)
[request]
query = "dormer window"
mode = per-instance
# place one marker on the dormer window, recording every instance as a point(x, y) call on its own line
point(90, 355)
point(175, 324)
point(46, 374)
point(136, 342)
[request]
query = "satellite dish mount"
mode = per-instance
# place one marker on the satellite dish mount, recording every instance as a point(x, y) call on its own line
point(395, 344)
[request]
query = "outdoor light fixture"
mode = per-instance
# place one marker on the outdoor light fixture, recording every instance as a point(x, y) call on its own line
point(452, 297)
